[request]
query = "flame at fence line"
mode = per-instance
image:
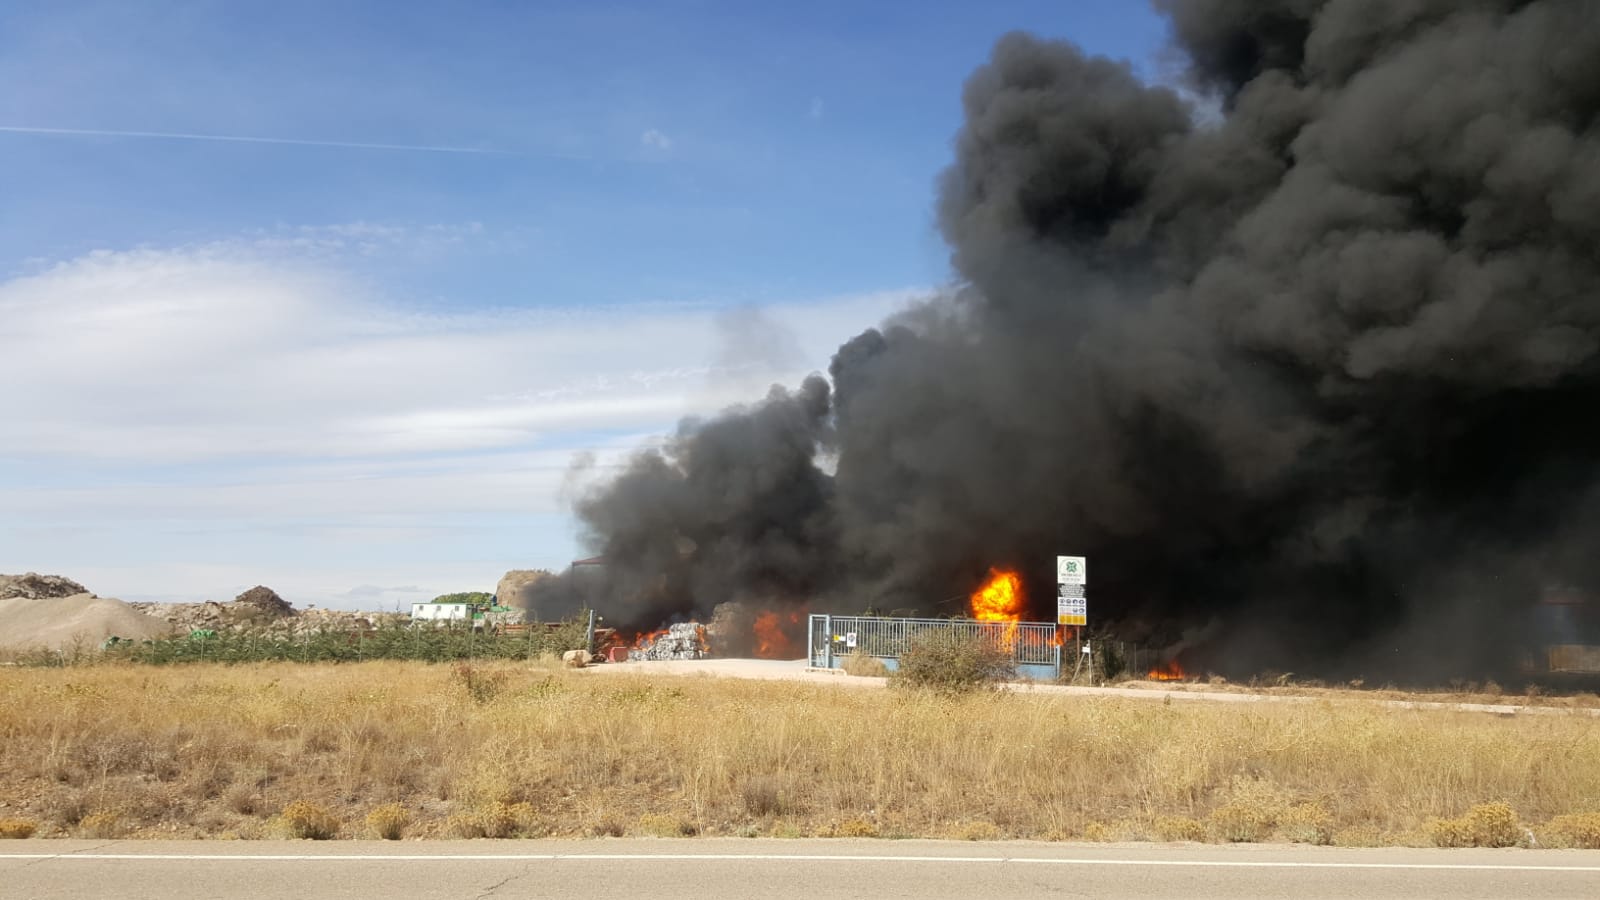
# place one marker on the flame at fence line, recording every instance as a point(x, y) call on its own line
point(772, 630)
point(1168, 671)
point(1000, 599)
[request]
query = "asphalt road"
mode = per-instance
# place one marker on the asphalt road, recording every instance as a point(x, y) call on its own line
point(805, 870)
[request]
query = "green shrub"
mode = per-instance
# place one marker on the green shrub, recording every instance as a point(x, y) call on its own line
point(425, 643)
point(946, 660)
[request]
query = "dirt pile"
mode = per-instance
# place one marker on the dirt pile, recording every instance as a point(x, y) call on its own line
point(243, 615)
point(266, 600)
point(257, 607)
point(81, 619)
point(516, 589)
point(34, 586)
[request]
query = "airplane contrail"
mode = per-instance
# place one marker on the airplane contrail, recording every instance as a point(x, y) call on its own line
point(243, 139)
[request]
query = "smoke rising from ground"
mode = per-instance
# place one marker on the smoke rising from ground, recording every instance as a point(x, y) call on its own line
point(1319, 369)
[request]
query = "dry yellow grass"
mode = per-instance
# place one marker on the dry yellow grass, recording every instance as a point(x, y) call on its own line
point(262, 750)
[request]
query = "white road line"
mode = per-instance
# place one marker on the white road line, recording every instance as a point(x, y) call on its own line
point(780, 857)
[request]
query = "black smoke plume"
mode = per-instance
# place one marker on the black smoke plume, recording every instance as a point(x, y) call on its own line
point(1304, 351)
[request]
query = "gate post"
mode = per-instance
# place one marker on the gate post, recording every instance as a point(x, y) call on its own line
point(827, 640)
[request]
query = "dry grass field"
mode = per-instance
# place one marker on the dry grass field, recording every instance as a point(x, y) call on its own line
point(405, 750)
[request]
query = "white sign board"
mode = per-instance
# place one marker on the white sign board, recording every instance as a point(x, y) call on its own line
point(1072, 570)
point(1072, 611)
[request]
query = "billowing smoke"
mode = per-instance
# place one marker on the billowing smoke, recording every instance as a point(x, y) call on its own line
point(1306, 354)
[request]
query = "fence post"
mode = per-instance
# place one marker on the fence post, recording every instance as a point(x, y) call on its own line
point(827, 640)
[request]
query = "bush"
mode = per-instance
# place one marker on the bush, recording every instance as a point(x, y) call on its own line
point(481, 685)
point(389, 821)
point(854, 828)
point(975, 831)
point(1485, 825)
point(100, 825)
point(764, 795)
point(308, 821)
point(945, 660)
point(1179, 828)
point(1251, 810)
point(16, 829)
point(1098, 832)
point(1242, 823)
point(496, 820)
point(1306, 823)
point(658, 825)
point(1578, 831)
point(864, 665)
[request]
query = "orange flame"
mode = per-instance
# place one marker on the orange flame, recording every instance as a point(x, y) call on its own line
point(644, 639)
point(999, 599)
point(772, 638)
point(1170, 671)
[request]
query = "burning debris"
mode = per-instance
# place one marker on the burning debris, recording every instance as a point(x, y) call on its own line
point(685, 640)
point(1311, 352)
point(1167, 671)
point(1000, 599)
point(743, 630)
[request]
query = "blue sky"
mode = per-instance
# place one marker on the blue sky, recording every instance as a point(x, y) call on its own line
point(354, 353)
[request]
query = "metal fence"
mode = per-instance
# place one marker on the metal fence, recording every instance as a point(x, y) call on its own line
point(1034, 646)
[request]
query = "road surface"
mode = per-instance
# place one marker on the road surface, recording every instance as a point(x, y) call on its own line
point(733, 869)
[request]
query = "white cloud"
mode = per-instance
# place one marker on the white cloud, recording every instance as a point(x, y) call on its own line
point(655, 140)
point(250, 403)
point(194, 354)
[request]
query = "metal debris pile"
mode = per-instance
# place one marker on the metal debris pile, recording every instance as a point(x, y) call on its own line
point(685, 640)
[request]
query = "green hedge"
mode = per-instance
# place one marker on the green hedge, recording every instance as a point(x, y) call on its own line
point(424, 642)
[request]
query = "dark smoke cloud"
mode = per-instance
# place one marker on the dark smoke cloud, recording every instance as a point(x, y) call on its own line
point(1319, 365)
point(734, 509)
